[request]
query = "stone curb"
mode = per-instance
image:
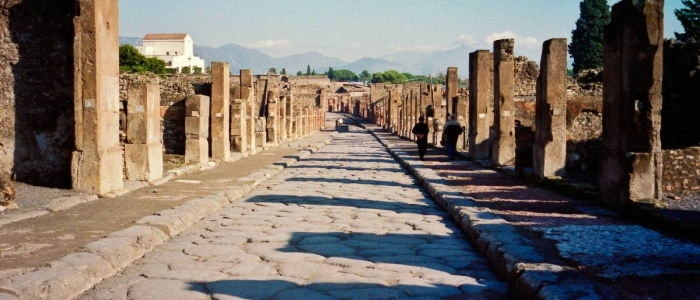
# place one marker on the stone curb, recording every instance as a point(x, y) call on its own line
point(75, 273)
point(513, 256)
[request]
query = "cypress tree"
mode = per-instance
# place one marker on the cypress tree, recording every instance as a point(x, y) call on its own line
point(690, 20)
point(586, 46)
point(308, 70)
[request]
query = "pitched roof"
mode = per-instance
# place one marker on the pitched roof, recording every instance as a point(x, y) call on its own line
point(164, 36)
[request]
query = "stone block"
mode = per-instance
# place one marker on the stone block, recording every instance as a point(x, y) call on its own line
point(197, 106)
point(196, 151)
point(144, 161)
point(196, 127)
point(143, 113)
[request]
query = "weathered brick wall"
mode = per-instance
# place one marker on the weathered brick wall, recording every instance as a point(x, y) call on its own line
point(36, 90)
point(682, 171)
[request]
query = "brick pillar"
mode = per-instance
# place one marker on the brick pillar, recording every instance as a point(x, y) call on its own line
point(239, 141)
point(503, 150)
point(461, 105)
point(248, 94)
point(97, 161)
point(480, 103)
point(631, 161)
point(220, 111)
point(197, 129)
point(452, 90)
point(549, 150)
point(143, 150)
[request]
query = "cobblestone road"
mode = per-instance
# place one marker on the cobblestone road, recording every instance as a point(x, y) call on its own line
point(346, 223)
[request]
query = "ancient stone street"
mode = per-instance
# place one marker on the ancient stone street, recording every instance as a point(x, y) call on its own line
point(345, 223)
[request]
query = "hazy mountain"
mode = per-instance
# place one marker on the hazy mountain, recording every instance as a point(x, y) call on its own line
point(134, 41)
point(240, 57)
point(374, 65)
point(237, 56)
point(436, 62)
point(299, 62)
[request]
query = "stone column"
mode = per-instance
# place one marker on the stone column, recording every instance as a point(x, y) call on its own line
point(631, 160)
point(220, 111)
point(549, 150)
point(272, 116)
point(452, 90)
point(197, 129)
point(461, 105)
point(238, 127)
point(97, 160)
point(283, 118)
point(144, 150)
point(480, 101)
point(248, 94)
point(503, 151)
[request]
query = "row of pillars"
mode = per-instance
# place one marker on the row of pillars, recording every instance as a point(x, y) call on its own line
point(631, 162)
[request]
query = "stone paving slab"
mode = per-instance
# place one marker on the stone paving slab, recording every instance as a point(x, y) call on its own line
point(329, 227)
point(69, 276)
point(550, 248)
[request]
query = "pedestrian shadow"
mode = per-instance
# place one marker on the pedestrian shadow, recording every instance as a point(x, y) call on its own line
point(288, 289)
point(345, 181)
point(348, 168)
point(397, 207)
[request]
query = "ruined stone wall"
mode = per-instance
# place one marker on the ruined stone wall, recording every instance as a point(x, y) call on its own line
point(584, 125)
point(526, 73)
point(36, 90)
point(681, 171)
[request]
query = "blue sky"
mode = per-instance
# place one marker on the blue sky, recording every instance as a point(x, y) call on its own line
point(350, 30)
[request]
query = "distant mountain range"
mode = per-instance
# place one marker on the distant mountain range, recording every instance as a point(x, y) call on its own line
point(418, 63)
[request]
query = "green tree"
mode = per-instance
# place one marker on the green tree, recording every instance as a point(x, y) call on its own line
point(308, 70)
point(300, 73)
point(207, 70)
point(186, 70)
point(586, 46)
point(391, 76)
point(343, 75)
point(197, 70)
point(131, 61)
point(365, 76)
point(331, 76)
point(284, 71)
point(272, 70)
point(313, 73)
point(689, 16)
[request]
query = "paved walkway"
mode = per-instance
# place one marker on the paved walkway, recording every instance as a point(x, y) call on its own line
point(345, 223)
point(581, 247)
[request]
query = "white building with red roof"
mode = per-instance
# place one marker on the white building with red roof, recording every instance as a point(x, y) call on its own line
point(176, 49)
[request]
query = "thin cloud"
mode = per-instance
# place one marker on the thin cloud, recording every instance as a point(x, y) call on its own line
point(525, 41)
point(466, 39)
point(418, 48)
point(270, 44)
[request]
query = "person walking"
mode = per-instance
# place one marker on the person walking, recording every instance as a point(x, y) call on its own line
point(421, 131)
point(451, 134)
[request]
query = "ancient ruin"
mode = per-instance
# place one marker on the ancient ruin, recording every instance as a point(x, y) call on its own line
point(631, 159)
point(503, 148)
point(549, 150)
point(480, 103)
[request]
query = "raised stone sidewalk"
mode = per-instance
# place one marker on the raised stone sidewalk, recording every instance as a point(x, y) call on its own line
point(546, 245)
point(72, 274)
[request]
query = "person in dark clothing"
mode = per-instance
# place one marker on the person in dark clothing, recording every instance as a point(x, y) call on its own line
point(451, 134)
point(421, 131)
